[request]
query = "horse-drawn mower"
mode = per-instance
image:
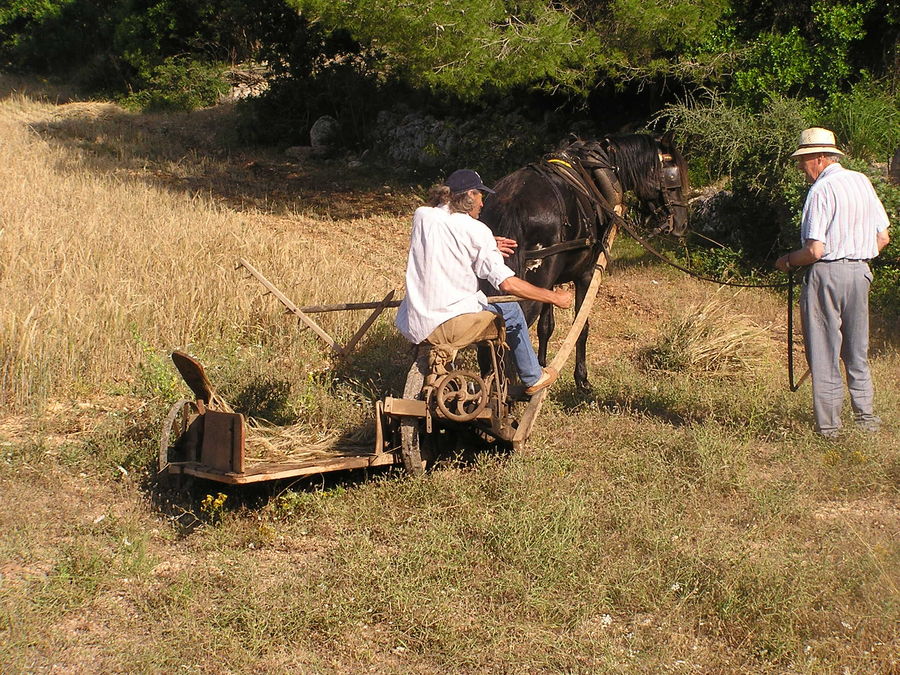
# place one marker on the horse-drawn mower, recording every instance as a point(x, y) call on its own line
point(205, 438)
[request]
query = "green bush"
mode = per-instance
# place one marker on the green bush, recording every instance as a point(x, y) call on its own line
point(884, 296)
point(162, 54)
point(777, 65)
point(179, 83)
point(750, 154)
point(731, 141)
point(54, 35)
point(866, 120)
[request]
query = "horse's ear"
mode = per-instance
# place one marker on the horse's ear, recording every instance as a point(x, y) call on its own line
point(667, 139)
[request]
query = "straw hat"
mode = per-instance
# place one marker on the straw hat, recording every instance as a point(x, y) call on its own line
point(815, 140)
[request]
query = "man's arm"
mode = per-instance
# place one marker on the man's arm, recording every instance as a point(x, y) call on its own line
point(528, 291)
point(882, 239)
point(811, 251)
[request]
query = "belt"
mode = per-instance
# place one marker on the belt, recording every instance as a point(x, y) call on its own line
point(846, 260)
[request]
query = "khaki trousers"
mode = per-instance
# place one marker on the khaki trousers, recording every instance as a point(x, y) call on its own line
point(460, 331)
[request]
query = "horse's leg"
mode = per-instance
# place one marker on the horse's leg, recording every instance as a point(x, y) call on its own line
point(581, 373)
point(546, 324)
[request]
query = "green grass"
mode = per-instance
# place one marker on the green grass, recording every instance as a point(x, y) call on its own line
point(725, 537)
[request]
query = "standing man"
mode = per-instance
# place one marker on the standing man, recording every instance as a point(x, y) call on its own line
point(449, 251)
point(843, 226)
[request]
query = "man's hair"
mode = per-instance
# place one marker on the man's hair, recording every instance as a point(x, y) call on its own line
point(438, 195)
point(830, 156)
point(462, 202)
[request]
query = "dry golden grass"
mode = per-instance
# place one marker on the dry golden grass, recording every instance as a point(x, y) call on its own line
point(711, 338)
point(93, 264)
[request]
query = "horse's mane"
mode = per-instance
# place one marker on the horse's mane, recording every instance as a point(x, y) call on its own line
point(634, 155)
point(506, 207)
point(637, 158)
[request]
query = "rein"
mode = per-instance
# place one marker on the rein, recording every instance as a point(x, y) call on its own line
point(561, 247)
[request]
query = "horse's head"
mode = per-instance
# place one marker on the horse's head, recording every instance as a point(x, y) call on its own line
point(671, 211)
point(654, 169)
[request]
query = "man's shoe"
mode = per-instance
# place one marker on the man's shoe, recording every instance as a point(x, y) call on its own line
point(547, 378)
point(871, 425)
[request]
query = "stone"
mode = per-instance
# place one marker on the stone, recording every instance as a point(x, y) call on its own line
point(324, 133)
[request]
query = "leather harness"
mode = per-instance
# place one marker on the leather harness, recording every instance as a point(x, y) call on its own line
point(590, 203)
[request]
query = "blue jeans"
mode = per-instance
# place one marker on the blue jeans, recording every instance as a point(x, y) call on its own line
point(519, 341)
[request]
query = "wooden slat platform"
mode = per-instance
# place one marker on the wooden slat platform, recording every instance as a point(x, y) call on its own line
point(263, 471)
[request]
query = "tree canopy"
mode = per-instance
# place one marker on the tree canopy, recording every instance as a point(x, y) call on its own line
point(466, 47)
point(750, 48)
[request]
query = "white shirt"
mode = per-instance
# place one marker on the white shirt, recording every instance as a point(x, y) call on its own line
point(448, 254)
point(844, 213)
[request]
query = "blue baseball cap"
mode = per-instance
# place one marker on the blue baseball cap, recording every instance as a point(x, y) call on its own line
point(463, 180)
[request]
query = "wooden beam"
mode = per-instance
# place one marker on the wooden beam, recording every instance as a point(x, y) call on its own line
point(357, 336)
point(527, 420)
point(283, 299)
point(280, 470)
point(344, 306)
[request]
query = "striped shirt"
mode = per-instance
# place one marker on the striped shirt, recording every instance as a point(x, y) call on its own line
point(844, 213)
point(448, 254)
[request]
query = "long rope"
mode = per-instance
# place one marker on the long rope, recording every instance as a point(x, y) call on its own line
point(632, 231)
point(574, 173)
point(640, 240)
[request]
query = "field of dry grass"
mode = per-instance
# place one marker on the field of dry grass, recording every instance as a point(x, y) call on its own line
point(674, 520)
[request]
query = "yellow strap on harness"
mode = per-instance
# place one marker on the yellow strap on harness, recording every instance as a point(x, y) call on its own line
point(559, 161)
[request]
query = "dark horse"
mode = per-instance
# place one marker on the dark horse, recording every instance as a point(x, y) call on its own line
point(560, 223)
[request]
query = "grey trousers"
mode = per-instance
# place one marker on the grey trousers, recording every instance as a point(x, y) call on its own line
point(834, 307)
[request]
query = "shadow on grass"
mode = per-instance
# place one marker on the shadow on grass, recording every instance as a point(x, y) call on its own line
point(573, 399)
point(198, 152)
point(885, 335)
point(37, 89)
point(379, 364)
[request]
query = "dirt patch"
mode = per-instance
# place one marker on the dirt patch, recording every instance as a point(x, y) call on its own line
point(619, 296)
point(14, 574)
point(882, 514)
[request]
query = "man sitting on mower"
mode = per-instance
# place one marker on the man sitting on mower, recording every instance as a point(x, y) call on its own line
point(449, 251)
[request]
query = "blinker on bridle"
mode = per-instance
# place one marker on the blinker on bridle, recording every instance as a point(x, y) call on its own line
point(670, 180)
